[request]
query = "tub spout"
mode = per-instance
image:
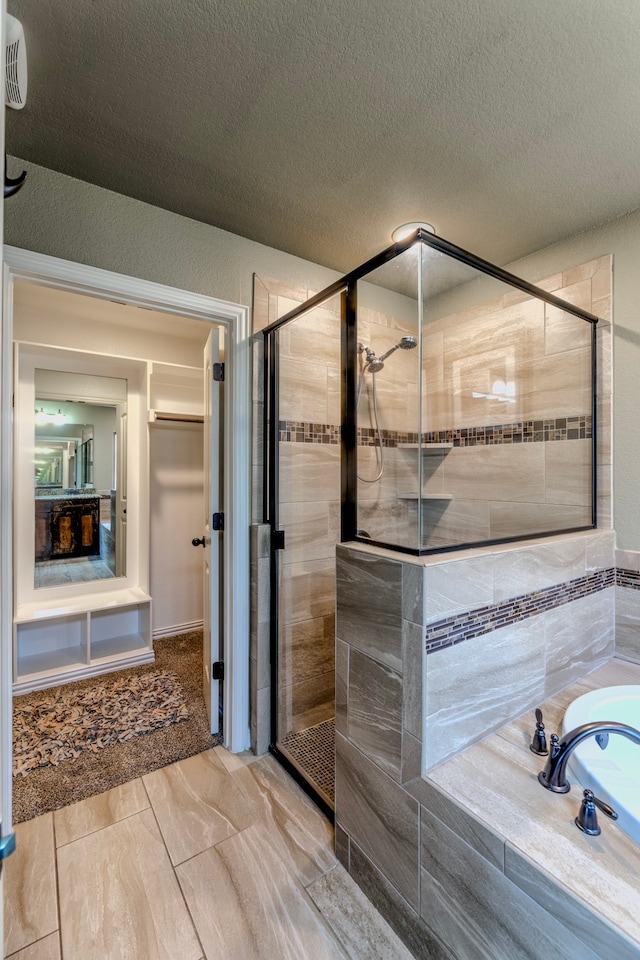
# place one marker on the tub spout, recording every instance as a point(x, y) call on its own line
point(553, 777)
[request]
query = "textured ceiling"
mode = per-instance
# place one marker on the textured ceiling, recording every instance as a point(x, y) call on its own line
point(317, 128)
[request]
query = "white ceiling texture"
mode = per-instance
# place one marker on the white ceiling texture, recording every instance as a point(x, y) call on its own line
point(316, 128)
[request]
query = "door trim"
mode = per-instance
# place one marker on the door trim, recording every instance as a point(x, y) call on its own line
point(76, 277)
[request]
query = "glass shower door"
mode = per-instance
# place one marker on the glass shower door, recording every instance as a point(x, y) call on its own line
point(308, 507)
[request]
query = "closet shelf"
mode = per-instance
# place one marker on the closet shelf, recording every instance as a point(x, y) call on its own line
point(153, 416)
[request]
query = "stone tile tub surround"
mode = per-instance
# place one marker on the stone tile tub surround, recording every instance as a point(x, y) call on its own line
point(628, 604)
point(466, 865)
point(436, 652)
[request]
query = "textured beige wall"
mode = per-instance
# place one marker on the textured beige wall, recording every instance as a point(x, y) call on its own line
point(73, 220)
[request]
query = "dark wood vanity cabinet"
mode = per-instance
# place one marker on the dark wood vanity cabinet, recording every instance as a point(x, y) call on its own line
point(67, 527)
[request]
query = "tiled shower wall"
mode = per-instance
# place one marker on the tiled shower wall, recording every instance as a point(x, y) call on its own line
point(516, 468)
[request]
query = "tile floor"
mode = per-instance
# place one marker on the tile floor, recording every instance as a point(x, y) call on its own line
point(216, 856)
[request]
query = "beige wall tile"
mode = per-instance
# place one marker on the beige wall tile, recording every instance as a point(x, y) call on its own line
point(538, 566)
point(311, 530)
point(578, 638)
point(307, 590)
point(459, 521)
point(558, 385)
point(525, 519)
point(309, 471)
point(564, 331)
point(309, 702)
point(474, 687)
point(455, 586)
point(303, 390)
point(568, 472)
point(628, 559)
point(501, 472)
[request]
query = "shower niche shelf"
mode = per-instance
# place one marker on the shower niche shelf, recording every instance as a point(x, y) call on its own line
point(428, 449)
point(82, 637)
point(425, 496)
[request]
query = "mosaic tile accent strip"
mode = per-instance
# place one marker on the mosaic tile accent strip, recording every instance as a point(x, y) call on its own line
point(300, 431)
point(523, 431)
point(627, 578)
point(475, 623)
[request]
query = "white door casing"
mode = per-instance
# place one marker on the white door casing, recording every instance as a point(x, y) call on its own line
point(213, 569)
point(234, 319)
point(120, 506)
point(6, 541)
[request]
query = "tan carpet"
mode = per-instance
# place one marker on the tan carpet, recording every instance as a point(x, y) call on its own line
point(51, 787)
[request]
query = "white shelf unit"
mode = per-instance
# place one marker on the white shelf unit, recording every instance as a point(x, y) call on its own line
point(83, 637)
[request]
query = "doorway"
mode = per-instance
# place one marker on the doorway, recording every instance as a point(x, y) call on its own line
point(162, 302)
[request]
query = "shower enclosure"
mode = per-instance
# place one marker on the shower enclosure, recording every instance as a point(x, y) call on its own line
point(428, 401)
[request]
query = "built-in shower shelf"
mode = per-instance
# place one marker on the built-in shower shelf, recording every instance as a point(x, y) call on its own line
point(425, 496)
point(428, 449)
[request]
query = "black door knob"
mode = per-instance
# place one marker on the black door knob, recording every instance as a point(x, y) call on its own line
point(197, 541)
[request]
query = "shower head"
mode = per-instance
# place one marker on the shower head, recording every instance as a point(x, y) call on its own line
point(375, 364)
point(405, 343)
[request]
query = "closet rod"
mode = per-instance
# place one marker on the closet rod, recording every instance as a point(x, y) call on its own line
point(155, 415)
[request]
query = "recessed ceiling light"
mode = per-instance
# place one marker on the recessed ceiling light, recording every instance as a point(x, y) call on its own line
point(401, 233)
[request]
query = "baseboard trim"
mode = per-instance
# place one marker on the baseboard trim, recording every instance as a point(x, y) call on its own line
point(177, 628)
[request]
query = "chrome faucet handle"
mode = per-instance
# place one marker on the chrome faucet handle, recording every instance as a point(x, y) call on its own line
point(587, 819)
point(539, 743)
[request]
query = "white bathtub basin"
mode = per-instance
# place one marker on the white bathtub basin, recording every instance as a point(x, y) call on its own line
point(614, 773)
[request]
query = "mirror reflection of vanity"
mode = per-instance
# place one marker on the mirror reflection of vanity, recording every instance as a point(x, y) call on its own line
point(82, 603)
point(76, 434)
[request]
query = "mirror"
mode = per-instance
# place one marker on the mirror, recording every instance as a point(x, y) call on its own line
point(79, 497)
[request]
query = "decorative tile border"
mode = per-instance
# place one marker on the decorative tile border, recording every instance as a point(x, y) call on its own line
point(300, 431)
point(475, 623)
point(523, 431)
point(627, 578)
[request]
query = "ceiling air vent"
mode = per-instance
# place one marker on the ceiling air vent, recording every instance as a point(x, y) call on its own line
point(15, 64)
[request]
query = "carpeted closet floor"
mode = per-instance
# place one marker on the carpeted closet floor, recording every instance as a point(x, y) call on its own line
point(92, 771)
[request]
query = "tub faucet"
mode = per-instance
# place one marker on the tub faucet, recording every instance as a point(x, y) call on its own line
point(553, 777)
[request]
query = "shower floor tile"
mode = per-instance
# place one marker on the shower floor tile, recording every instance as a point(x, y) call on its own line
point(313, 752)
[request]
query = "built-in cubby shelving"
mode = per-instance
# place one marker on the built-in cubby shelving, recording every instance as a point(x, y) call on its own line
point(81, 637)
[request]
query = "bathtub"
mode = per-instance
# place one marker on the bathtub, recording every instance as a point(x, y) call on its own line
point(613, 773)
